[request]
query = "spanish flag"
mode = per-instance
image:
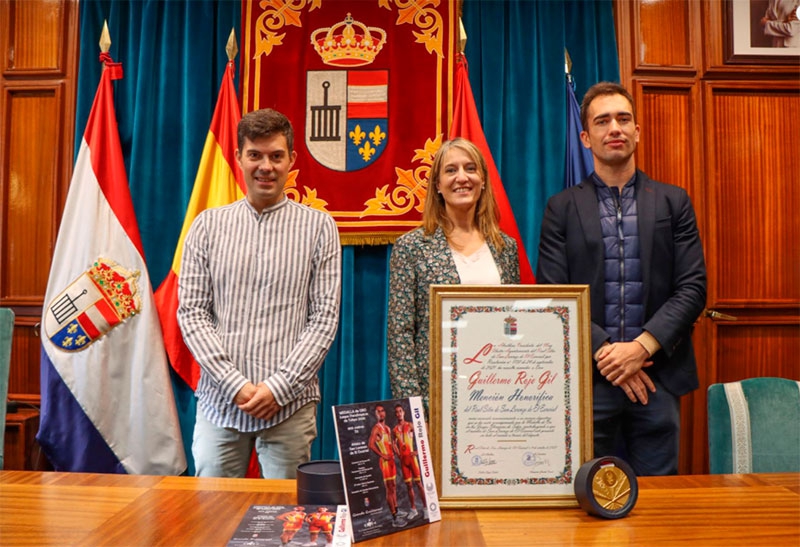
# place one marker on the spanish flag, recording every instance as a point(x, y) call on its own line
point(219, 181)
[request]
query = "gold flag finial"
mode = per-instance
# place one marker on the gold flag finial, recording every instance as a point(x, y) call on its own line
point(567, 62)
point(462, 33)
point(232, 48)
point(105, 39)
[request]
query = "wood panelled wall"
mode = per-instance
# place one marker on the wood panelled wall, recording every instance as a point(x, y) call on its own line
point(726, 130)
point(37, 107)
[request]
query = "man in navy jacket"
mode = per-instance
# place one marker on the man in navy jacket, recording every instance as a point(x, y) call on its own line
point(635, 242)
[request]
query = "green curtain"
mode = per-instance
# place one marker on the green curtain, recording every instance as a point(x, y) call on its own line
point(173, 57)
point(515, 51)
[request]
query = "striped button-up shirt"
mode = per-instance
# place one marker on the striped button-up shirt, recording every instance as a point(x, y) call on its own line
point(258, 301)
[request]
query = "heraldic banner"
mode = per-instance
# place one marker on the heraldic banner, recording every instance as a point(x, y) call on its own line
point(367, 86)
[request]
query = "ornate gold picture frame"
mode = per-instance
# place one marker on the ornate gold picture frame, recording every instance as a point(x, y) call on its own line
point(511, 393)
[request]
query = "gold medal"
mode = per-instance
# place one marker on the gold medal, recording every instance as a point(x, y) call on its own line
point(606, 487)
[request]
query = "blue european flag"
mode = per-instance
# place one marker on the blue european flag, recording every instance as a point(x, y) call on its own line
point(579, 161)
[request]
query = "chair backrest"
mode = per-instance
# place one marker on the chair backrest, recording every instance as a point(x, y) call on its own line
point(754, 426)
point(6, 335)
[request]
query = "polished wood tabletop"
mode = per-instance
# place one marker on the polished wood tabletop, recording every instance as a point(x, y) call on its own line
point(49, 508)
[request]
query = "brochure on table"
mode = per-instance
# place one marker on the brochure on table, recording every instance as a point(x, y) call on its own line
point(308, 525)
point(386, 466)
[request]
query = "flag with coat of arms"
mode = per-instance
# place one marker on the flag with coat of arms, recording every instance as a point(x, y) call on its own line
point(107, 400)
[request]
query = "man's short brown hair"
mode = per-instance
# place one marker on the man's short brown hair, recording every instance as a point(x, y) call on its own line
point(263, 123)
point(603, 89)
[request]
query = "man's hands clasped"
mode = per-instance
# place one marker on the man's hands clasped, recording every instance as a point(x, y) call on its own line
point(621, 363)
point(257, 400)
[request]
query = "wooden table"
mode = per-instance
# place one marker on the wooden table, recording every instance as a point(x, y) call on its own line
point(47, 508)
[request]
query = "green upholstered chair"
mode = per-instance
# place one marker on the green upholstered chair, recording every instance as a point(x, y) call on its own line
point(6, 334)
point(754, 426)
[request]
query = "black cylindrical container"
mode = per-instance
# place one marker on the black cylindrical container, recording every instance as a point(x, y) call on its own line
point(320, 483)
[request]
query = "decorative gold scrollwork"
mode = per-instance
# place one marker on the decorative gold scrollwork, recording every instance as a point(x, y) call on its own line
point(427, 19)
point(278, 14)
point(411, 186)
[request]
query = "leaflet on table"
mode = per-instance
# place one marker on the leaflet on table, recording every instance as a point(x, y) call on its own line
point(308, 525)
point(506, 414)
point(386, 466)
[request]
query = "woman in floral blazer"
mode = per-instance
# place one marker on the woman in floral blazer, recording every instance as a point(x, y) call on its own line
point(459, 242)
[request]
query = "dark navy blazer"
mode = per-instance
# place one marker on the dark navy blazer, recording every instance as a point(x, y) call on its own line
point(673, 268)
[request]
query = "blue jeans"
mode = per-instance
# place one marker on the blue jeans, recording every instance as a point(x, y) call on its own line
point(225, 452)
point(645, 436)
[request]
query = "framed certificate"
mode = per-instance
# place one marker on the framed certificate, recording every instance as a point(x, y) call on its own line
point(511, 393)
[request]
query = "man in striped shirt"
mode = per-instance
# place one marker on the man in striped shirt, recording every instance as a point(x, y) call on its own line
point(259, 295)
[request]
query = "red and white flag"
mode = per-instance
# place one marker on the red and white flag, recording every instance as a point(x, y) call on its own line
point(107, 400)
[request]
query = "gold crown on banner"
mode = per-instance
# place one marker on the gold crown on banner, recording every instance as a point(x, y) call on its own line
point(119, 286)
point(341, 45)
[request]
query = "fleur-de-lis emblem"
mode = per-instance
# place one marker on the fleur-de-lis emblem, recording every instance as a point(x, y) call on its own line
point(367, 151)
point(357, 135)
point(377, 135)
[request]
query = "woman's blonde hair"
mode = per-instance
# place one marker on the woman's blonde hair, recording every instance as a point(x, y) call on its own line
point(486, 211)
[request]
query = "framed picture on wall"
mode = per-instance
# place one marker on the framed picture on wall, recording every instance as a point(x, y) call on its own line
point(511, 397)
point(762, 32)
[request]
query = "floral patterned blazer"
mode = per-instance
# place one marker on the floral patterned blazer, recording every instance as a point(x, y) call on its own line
point(418, 261)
